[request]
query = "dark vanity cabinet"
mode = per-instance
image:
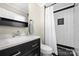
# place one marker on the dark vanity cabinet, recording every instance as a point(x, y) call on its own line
point(31, 48)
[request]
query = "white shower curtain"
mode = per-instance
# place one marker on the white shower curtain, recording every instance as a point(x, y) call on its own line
point(50, 36)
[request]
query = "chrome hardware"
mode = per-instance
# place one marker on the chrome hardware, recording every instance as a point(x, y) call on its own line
point(35, 45)
point(17, 54)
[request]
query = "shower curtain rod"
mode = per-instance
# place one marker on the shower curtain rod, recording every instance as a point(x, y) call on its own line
point(49, 5)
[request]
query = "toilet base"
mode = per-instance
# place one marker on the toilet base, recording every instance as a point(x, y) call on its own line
point(46, 54)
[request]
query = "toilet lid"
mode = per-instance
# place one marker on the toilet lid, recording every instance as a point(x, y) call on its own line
point(45, 47)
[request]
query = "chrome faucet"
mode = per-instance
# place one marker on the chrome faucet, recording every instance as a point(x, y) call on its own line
point(16, 34)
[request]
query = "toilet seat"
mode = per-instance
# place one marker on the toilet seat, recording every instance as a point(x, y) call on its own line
point(46, 49)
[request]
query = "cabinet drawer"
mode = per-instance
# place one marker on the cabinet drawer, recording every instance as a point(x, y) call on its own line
point(9, 51)
point(34, 43)
point(20, 49)
point(27, 47)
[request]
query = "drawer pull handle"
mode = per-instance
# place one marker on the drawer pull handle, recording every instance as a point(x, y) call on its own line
point(17, 53)
point(34, 45)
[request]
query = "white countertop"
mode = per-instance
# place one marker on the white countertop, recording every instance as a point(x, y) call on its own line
point(7, 43)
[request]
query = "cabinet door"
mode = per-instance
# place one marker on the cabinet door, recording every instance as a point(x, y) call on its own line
point(33, 52)
point(10, 51)
point(34, 48)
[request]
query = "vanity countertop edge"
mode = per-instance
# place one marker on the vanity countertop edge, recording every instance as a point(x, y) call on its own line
point(11, 42)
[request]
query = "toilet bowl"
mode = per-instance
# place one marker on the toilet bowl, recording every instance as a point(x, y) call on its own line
point(46, 50)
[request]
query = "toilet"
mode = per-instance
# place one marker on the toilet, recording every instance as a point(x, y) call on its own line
point(46, 50)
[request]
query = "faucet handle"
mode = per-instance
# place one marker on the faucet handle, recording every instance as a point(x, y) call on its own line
point(17, 33)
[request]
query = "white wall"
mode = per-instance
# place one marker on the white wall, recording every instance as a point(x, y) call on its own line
point(36, 13)
point(76, 28)
point(42, 24)
point(64, 33)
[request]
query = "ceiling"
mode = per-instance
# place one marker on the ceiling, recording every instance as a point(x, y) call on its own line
point(20, 8)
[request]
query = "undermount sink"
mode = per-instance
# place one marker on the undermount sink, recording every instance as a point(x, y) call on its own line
point(18, 38)
point(22, 38)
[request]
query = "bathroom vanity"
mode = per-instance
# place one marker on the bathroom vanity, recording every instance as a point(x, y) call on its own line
point(23, 46)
